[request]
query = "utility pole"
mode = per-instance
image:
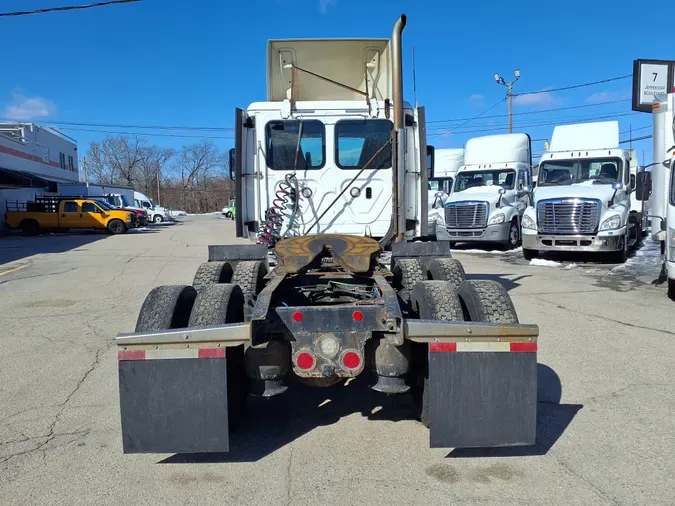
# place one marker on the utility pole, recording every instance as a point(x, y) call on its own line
point(84, 171)
point(509, 94)
point(159, 202)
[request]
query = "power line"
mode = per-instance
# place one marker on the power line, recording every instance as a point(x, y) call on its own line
point(66, 8)
point(635, 139)
point(636, 129)
point(144, 133)
point(574, 86)
point(542, 111)
point(477, 116)
point(109, 125)
point(548, 122)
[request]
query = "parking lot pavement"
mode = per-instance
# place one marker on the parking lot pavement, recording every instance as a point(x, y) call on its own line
point(606, 412)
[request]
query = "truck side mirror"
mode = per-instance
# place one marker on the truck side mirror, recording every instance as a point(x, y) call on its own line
point(231, 162)
point(643, 185)
point(527, 188)
point(430, 162)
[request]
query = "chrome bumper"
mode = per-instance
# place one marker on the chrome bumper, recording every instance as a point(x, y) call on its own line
point(589, 243)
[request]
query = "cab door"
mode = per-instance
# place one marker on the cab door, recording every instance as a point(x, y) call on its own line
point(69, 217)
point(522, 197)
point(92, 216)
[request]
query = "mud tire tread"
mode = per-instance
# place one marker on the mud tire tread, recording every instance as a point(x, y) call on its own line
point(487, 301)
point(213, 273)
point(447, 269)
point(166, 307)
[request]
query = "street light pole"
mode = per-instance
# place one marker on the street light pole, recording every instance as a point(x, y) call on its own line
point(509, 94)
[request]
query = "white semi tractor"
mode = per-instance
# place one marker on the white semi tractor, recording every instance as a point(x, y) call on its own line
point(445, 166)
point(584, 195)
point(329, 172)
point(490, 191)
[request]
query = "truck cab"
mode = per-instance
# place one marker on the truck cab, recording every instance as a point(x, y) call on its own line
point(670, 220)
point(490, 191)
point(317, 155)
point(156, 214)
point(446, 163)
point(582, 201)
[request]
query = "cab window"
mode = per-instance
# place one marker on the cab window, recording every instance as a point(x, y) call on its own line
point(522, 179)
point(70, 207)
point(283, 151)
point(89, 207)
point(359, 141)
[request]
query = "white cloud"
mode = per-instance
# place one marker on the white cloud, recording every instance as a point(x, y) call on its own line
point(608, 96)
point(28, 108)
point(537, 99)
point(325, 4)
point(477, 100)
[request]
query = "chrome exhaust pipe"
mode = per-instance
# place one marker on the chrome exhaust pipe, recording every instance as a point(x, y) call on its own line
point(398, 193)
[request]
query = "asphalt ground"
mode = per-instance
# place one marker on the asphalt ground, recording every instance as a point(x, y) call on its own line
point(606, 416)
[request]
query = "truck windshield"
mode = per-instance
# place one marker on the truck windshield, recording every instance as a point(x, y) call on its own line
point(566, 172)
point(281, 138)
point(500, 177)
point(358, 141)
point(441, 184)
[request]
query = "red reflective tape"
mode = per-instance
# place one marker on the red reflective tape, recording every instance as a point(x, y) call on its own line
point(131, 355)
point(211, 353)
point(443, 347)
point(524, 347)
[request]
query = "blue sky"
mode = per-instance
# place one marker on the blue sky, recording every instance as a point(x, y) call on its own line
point(171, 62)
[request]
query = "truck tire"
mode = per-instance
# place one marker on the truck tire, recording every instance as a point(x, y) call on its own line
point(250, 277)
point(434, 300)
point(116, 227)
point(529, 254)
point(407, 272)
point(447, 269)
point(157, 218)
point(213, 273)
point(671, 289)
point(217, 304)
point(486, 301)
point(166, 307)
point(30, 227)
point(620, 257)
point(514, 235)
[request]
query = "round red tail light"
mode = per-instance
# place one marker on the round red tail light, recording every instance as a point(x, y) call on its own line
point(357, 315)
point(351, 360)
point(297, 317)
point(305, 361)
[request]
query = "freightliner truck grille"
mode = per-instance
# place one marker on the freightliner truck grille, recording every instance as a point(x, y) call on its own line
point(466, 215)
point(568, 216)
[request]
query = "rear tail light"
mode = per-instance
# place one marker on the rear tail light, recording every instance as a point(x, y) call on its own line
point(297, 317)
point(351, 360)
point(357, 315)
point(305, 361)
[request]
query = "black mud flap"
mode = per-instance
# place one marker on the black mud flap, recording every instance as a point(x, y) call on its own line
point(482, 394)
point(176, 405)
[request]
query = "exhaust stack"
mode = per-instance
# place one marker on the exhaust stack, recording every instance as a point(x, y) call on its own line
point(398, 194)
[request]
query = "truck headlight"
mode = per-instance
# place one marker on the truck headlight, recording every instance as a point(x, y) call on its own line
point(128, 218)
point(611, 223)
point(671, 244)
point(528, 222)
point(497, 219)
point(436, 217)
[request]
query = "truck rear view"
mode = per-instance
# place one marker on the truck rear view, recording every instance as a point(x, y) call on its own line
point(325, 185)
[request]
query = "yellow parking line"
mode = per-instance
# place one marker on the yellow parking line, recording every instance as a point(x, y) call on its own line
point(13, 270)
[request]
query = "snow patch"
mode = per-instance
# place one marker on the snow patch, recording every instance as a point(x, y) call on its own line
point(540, 262)
point(571, 266)
point(139, 229)
point(177, 213)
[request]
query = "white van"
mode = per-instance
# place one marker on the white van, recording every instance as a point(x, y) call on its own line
point(156, 214)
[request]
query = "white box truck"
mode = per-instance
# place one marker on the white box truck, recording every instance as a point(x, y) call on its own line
point(156, 214)
point(582, 201)
point(490, 192)
point(445, 166)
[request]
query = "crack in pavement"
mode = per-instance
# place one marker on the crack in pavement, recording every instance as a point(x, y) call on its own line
point(588, 482)
point(38, 275)
point(289, 477)
point(51, 434)
point(604, 318)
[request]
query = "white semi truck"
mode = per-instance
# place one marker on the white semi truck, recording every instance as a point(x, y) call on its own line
point(330, 171)
point(445, 166)
point(490, 191)
point(584, 193)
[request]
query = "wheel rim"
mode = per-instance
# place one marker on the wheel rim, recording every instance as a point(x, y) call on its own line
point(158, 219)
point(513, 235)
point(116, 227)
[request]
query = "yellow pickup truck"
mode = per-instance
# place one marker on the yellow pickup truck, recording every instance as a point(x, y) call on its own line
point(59, 213)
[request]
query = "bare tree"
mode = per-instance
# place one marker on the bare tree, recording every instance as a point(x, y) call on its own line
point(152, 169)
point(116, 159)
